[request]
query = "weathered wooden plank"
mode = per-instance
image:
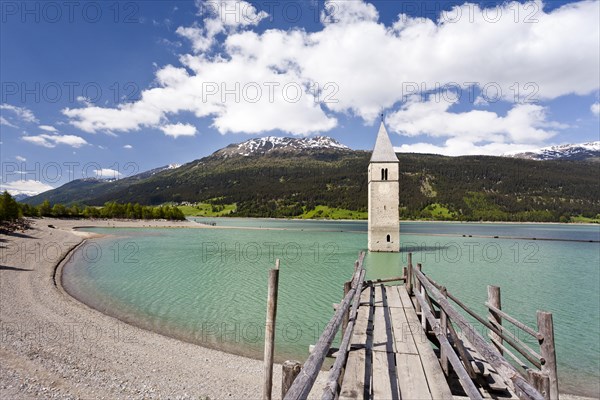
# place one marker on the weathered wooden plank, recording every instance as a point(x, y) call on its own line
point(379, 294)
point(304, 382)
point(353, 385)
point(465, 381)
point(383, 339)
point(403, 338)
point(385, 384)
point(347, 287)
point(412, 381)
point(464, 355)
point(393, 297)
point(330, 391)
point(436, 380)
point(386, 280)
point(494, 381)
point(359, 334)
point(406, 301)
point(365, 296)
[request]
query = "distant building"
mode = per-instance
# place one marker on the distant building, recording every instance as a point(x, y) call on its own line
point(384, 196)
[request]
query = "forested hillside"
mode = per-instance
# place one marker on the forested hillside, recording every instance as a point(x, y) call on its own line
point(279, 184)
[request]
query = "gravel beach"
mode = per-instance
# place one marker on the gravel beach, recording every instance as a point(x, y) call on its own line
point(53, 346)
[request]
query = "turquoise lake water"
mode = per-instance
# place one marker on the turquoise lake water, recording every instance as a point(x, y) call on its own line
point(209, 286)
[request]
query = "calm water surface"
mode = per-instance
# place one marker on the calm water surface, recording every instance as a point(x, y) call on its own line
point(208, 286)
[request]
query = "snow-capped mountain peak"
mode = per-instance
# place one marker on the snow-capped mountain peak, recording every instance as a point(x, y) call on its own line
point(262, 146)
point(581, 151)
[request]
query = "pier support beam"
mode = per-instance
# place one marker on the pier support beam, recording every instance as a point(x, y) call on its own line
point(270, 330)
point(546, 328)
point(289, 371)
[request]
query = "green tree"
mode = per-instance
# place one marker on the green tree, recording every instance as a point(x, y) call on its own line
point(58, 211)
point(9, 208)
point(45, 209)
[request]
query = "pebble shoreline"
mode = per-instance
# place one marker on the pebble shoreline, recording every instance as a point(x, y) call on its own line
point(53, 346)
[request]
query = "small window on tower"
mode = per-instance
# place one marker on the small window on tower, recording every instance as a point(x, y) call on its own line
point(384, 208)
point(386, 174)
point(389, 238)
point(382, 174)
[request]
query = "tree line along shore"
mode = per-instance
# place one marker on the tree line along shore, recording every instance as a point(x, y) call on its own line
point(12, 212)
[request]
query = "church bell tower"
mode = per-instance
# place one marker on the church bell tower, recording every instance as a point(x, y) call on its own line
point(384, 196)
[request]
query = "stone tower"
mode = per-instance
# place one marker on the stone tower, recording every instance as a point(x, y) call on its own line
point(384, 197)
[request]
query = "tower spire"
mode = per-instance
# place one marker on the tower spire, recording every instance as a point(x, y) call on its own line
point(383, 150)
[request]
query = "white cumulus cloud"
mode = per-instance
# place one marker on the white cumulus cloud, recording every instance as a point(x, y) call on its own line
point(294, 80)
point(595, 108)
point(28, 187)
point(179, 129)
point(48, 128)
point(222, 16)
point(128, 146)
point(19, 158)
point(24, 114)
point(524, 127)
point(4, 121)
point(51, 141)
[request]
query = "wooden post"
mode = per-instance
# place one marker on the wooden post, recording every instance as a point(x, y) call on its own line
point(409, 281)
point(423, 319)
point(546, 328)
point(495, 300)
point(540, 381)
point(418, 288)
point(347, 287)
point(289, 371)
point(444, 332)
point(270, 330)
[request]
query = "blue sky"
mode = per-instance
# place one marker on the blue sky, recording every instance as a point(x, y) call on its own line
point(94, 87)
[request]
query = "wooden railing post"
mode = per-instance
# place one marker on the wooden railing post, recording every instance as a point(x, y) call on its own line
point(289, 371)
point(418, 288)
point(546, 328)
point(444, 332)
point(540, 381)
point(495, 300)
point(409, 281)
point(270, 330)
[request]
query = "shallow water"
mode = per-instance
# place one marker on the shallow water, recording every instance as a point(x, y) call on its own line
point(208, 286)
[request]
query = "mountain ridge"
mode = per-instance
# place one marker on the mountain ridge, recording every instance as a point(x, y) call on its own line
point(271, 144)
point(579, 151)
point(289, 181)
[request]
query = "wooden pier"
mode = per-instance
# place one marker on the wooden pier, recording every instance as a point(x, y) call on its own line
point(408, 338)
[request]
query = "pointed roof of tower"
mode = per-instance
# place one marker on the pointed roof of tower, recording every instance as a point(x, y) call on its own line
point(383, 151)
